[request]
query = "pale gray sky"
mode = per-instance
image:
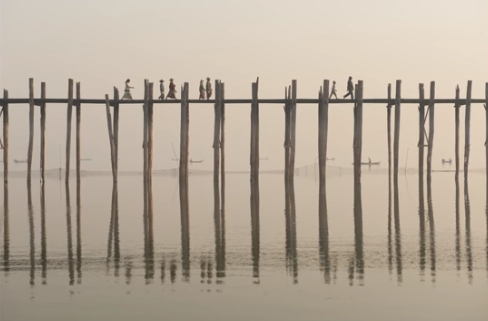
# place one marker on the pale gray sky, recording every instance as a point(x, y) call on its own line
point(102, 42)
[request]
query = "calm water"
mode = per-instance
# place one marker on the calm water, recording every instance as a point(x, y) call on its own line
point(266, 253)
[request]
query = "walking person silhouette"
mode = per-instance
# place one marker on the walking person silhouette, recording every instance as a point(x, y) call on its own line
point(350, 88)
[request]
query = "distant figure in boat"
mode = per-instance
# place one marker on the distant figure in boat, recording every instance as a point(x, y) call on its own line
point(333, 91)
point(350, 88)
point(446, 161)
point(369, 162)
point(161, 89)
point(127, 89)
point(172, 90)
point(208, 88)
point(19, 161)
point(202, 91)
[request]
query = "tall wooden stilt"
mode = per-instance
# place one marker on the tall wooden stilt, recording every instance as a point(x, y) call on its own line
point(222, 139)
point(287, 109)
point(78, 133)
point(323, 123)
point(255, 132)
point(68, 127)
point(184, 133)
point(216, 143)
point(421, 143)
point(144, 130)
point(431, 129)
point(149, 133)
point(388, 129)
point(396, 138)
point(5, 139)
point(358, 130)
point(486, 148)
point(116, 131)
point(467, 129)
point(43, 131)
point(456, 138)
point(293, 124)
point(110, 135)
point(31, 129)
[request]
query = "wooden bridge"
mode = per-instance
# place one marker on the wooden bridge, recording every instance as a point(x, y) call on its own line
point(426, 107)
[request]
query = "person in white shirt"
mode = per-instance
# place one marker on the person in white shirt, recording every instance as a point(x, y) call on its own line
point(127, 94)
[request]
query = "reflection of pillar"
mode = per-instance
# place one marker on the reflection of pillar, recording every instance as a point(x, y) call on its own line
point(115, 211)
point(69, 236)
point(32, 246)
point(148, 232)
point(398, 237)
point(172, 271)
point(185, 230)
point(255, 230)
point(219, 236)
point(458, 230)
point(324, 233)
point(291, 232)
point(390, 245)
point(422, 252)
point(6, 230)
point(43, 235)
point(358, 230)
point(128, 272)
point(78, 227)
point(469, 253)
point(430, 210)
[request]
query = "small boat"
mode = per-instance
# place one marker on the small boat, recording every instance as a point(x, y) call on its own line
point(327, 158)
point(19, 161)
point(446, 161)
point(196, 161)
point(369, 163)
point(86, 159)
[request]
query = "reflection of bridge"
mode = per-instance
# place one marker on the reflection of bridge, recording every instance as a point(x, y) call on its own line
point(167, 262)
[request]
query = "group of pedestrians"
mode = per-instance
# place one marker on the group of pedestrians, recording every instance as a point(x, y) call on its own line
point(350, 89)
point(206, 90)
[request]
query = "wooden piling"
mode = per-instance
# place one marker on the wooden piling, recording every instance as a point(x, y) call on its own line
point(358, 130)
point(396, 138)
point(110, 135)
point(421, 143)
point(31, 129)
point(486, 143)
point(5, 139)
point(184, 133)
point(388, 128)
point(467, 128)
point(431, 129)
point(78, 132)
point(293, 124)
point(254, 132)
point(116, 129)
point(323, 123)
point(43, 132)
point(149, 133)
point(68, 127)
point(287, 109)
point(222, 138)
point(216, 143)
point(457, 105)
point(144, 130)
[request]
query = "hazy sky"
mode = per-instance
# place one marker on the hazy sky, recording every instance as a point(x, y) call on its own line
point(102, 42)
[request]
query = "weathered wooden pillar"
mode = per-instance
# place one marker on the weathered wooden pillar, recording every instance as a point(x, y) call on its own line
point(388, 128)
point(68, 127)
point(293, 124)
point(255, 132)
point(184, 133)
point(149, 132)
point(421, 143)
point(110, 135)
point(358, 130)
point(467, 128)
point(78, 132)
point(5, 138)
point(456, 137)
point(144, 130)
point(396, 138)
point(116, 130)
point(323, 123)
point(216, 143)
point(431, 129)
point(222, 138)
point(486, 139)
point(43, 131)
point(31, 129)
point(287, 144)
